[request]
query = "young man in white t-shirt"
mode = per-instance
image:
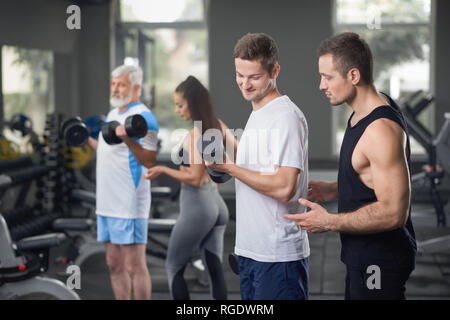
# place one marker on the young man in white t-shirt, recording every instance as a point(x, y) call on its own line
point(271, 172)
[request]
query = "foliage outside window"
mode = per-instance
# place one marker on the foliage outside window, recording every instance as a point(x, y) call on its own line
point(27, 84)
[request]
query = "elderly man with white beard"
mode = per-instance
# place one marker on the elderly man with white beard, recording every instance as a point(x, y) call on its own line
point(123, 197)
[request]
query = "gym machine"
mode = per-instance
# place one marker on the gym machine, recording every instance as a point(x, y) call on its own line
point(438, 164)
point(22, 261)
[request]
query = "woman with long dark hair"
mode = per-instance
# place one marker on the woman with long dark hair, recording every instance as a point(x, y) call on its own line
point(203, 213)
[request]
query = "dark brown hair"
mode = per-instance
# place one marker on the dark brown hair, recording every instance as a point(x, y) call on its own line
point(349, 50)
point(257, 46)
point(199, 103)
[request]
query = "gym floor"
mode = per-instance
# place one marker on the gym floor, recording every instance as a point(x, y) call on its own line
point(430, 279)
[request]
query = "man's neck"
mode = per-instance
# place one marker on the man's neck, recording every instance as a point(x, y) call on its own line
point(123, 108)
point(365, 101)
point(273, 94)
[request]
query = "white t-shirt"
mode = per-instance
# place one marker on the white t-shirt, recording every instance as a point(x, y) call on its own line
point(122, 192)
point(275, 135)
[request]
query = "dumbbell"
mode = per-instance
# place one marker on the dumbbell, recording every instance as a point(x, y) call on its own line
point(216, 176)
point(20, 122)
point(135, 126)
point(75, 132)
point(94, 123)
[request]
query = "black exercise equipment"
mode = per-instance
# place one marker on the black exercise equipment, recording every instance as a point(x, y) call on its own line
point(22, 175)
point(24, 237)
point(135, 126)
point(12, 164)
point(217, 176)
point(433, 172)
point(94, 123)
point(29, 221)
point(20, 122)
point(75, 132)
point(109, 132)
point(208, 150)
point(35, 226)
point(15, 215)
point(21, 263)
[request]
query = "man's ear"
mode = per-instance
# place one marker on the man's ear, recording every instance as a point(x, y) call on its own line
point(136, 90)
point(354, 76)
point(275, 71)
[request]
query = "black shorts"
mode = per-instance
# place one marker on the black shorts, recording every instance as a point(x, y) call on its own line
point(380, 284)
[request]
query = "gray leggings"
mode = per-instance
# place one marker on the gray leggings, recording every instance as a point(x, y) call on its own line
point(201, 225)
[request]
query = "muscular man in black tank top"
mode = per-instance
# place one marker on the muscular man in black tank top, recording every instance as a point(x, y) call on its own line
point(373, 187)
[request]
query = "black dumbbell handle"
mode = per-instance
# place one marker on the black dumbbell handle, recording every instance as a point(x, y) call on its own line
point(135, 126)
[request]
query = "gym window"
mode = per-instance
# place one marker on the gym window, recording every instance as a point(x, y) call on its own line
point(169, 40)
point(398, 33)
point(28, 89)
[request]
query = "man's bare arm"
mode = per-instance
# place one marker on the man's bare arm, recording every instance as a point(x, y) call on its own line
point(93, 143)
point(385, 148)
point(322, 191)
point(280, 185)
point(145, 157)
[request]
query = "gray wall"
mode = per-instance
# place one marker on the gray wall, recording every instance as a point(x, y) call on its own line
point(441, 64)
point(95, 60)
point(37, 24)
point(297, 27)
point(81, 57)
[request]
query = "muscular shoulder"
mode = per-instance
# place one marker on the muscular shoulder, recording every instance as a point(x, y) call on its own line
point(383, 130)
point(383, 137)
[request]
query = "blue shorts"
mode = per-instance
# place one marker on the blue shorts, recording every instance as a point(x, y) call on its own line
point(122, 231)
point(274, 280)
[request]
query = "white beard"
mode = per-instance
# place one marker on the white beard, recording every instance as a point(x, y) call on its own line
point(120, 101)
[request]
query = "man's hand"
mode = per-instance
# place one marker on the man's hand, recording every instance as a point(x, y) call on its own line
point(121, 132)
point(225, 167)
point(322, 191)
point(154, 172)
point(315, 221)
point(93, 143)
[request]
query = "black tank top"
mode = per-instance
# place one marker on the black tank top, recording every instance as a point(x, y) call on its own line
point(390, 249)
